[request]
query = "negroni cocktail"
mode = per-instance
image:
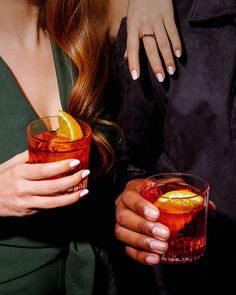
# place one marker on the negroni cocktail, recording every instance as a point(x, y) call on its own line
point(57, 138)
point(183, 202)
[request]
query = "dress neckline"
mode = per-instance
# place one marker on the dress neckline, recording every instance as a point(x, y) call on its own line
point(22, 94)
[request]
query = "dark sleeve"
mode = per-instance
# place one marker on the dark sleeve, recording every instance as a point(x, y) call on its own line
point(138, 113)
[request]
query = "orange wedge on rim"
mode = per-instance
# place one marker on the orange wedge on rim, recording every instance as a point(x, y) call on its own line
point(69, 127)
point(179, 202)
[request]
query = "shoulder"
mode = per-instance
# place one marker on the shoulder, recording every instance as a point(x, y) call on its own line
point(117, 11)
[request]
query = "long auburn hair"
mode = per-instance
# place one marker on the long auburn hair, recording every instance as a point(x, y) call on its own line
point(79, 28)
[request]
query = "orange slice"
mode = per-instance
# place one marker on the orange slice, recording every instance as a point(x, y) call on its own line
point(179, 202)
point(69, 127)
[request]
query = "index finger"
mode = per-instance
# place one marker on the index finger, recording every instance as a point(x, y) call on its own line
point(134, 201)
point(47, 170)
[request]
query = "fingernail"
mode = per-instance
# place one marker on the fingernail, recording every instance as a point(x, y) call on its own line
point(151, 259)
point(178, 53)
point(160, 232)
point(160, 77)
point(134, 74)
point(74, 163)
point(84, 193)
point(151, 213)
point(85, 173)
point(157, 245)
point(170, 70)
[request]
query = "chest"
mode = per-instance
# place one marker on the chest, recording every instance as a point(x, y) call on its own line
point(35, 75)
point(16, 110)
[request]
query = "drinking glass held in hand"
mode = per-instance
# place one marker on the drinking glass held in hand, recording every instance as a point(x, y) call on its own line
point(51, 139)
point(183, 203)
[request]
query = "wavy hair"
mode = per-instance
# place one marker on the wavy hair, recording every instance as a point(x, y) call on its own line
point(79, 27)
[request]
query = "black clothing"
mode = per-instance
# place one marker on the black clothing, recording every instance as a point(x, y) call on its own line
point(187, 124)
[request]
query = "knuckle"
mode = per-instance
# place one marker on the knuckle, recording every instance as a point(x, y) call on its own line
point(120, 216)
point(27, 212)
point(118, 201)
point(126, 194)
point(42, 170)
point(142, 243)
point(163, 44)
point(131, 252)
point(118, 231)
point(20, 207)
point(144, 227)
point(19, 190)
point(54, 185)
point(16, 171)
point(76, 177)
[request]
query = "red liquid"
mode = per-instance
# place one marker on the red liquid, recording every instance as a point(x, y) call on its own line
point(187, 240)
point(49, 147)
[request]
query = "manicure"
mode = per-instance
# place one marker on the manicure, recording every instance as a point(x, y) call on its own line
point(85, 173)
point(160, 232)
point(74, 163)
point(160, 77)
point(151, 213)
point(152, 260)
point(157, 245)
point(178, 53)
point(170, 70)
point(84, 193)
point(134, 74)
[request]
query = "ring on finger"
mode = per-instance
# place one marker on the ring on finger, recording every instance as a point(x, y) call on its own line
point(152, 35)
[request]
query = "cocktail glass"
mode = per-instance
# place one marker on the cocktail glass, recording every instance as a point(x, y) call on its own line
point(183, 203)
point(44, 145)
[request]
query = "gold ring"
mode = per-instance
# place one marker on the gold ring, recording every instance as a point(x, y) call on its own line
point(148, 35)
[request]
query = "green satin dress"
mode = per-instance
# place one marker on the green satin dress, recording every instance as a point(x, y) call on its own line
point(39, 255)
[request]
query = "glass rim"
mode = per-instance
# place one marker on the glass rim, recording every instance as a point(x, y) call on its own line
point(59, 142)
point(204, 181)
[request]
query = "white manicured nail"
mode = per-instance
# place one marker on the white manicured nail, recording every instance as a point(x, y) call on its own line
point(134, 74)
point(151, 213)
point(74, 163)
point(160, 77)
point(85, 173)
point(84, 193)
point(170, 70)
point(151, 260)
point(178, 53)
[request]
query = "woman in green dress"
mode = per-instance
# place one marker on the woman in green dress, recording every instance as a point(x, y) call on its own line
point(44, 237)
point(49, 245)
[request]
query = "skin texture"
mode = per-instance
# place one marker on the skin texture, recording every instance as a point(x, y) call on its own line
point(152, 17)
point(137, 220)
point(25, 189)
point(137, 225)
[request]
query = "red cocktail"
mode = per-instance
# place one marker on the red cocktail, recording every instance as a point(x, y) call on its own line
point(183, 202)
point(46, 145)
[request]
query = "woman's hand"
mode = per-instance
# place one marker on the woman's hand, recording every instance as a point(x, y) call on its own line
point(152, 17)
point(137, 226)
point(26, 188)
